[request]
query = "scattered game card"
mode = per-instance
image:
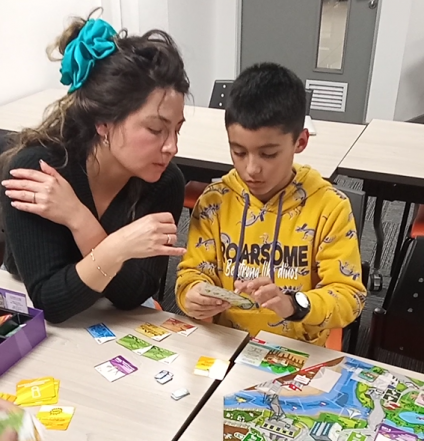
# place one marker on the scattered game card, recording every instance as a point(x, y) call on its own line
point(116, 368)
point(386, 433)
point(101, 333)
point(15, 301)
point(164, 377)
point(37, 392)
point(55, 417)
point(420, 399)
point(152, 331)
point(211, 367)
point(224, 294)
point(161, 354)
point(272, 358)
point(8, 397)
point(179, 327)
point(179, 393)
point(134, 344)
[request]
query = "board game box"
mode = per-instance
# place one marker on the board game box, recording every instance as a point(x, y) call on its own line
point(21, 328)
point(344, 399)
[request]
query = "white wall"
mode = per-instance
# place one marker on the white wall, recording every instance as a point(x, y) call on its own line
point(410, 98)
point(26, 29)
point(205, 30)
point(389, 53)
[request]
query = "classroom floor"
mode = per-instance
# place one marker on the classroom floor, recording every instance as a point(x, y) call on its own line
point(392, 213)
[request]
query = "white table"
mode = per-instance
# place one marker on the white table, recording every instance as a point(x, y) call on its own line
point(203, 140)
point(388, 151)
point(134, 407)
point(208, 424)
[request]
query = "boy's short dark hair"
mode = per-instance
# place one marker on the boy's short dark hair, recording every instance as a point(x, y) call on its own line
point(267, 95)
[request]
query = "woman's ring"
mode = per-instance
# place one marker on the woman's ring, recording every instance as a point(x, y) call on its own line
point(169, 240)
point(33, 199)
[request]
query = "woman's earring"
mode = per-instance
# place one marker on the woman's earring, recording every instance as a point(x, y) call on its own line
point(106, 141)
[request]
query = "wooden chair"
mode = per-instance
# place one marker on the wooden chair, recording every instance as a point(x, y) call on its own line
point(398, 325)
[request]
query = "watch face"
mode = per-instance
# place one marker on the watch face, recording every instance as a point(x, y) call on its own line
point(302, 300)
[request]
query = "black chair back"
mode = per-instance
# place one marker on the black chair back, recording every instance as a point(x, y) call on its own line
point(220, 92)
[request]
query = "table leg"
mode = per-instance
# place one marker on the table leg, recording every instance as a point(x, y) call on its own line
point(401, 235)
point(376, 278)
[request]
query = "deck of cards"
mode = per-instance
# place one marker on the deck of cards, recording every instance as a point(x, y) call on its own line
point(231, 297)
point(37, 392)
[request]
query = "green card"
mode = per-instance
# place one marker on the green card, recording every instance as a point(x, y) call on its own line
point(134, 344)
point(161, 354)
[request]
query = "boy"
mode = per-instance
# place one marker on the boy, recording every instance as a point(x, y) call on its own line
point(272, 229)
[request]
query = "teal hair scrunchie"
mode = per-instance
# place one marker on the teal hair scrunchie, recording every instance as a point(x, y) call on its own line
point(94, 42)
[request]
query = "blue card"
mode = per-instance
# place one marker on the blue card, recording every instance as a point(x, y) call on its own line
point(101, 333)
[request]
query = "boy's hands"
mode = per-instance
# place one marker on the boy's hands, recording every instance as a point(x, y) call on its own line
point(202, 307)
point(268, 295)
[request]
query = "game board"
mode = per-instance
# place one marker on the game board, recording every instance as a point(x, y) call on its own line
point(341, 400)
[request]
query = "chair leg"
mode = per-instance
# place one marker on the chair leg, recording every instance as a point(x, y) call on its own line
point(378, 228)
point(353, 337)
point(401, 236)
point(396, 271)
point(376, 332)
point(161, 293)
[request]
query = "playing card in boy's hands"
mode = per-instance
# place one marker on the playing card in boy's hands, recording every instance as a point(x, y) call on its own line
point(231, 297)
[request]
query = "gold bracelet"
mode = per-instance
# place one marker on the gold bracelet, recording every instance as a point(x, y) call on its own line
point(98, 267)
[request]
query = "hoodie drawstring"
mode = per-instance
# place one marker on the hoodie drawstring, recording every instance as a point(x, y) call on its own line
point(241, 238)
point(274, 240)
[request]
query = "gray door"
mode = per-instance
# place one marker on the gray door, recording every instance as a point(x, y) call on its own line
point(328, 43)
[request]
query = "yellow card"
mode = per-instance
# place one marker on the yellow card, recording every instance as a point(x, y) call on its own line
point(211, 367)
point(152, 331)
point(55, 417)
point(7, 397)
point(38, 391)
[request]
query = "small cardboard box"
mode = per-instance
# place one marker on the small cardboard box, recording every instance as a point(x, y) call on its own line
point(23, 338)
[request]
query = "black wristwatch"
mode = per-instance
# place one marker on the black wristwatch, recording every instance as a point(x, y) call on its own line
point(301, 305)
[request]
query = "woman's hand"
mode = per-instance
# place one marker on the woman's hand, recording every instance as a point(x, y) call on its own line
point(45, 193)
point(267, 295)
point(151, 235)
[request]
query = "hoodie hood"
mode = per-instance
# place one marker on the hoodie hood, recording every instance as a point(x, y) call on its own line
point(305, 183)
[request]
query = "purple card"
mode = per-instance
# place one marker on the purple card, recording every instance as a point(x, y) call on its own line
point(393, 433)
point(116, 368)
point(15, 301)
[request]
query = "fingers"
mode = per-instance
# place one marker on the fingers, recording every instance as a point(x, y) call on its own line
point(170, 251)
point(21, 195)
point(22, 184)
point(46, 168)
point(202, 315)
point(28, 207)
point(250, 286)
point(30, 174)
point(165, 218)
point(272, 303)
point(9, 435)
point(265, 293)
point(7, 406)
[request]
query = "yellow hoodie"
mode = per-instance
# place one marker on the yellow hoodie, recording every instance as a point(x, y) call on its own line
point(307, 230)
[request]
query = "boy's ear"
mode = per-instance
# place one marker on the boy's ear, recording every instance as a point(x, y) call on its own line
point(302, 141)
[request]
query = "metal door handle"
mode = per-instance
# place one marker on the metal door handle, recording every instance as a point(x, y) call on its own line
point(372, 4)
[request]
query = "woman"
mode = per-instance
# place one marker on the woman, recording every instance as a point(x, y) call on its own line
point(90, 197)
